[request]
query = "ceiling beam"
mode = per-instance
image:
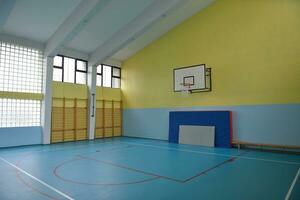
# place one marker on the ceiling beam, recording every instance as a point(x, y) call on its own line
point(6, 7)
point(76, 21)
point(156, 11)
point(22, 41)
point(157, 30)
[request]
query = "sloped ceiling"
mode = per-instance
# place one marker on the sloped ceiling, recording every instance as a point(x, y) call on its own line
point(115, 16)
point(161, 27)
point(39, 20)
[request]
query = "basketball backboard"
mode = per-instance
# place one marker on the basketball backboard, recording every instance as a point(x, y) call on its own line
point(191, 78)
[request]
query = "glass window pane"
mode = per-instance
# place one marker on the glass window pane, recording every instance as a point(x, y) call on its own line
point(69, 70)
point(116, 72)
point(57, 61)
point(99, 80)
point(57, 74)
point(99, 69)
point(21, 69)
point(106, 76)
point(19, 112)
point(80, 78)
point(116, 83)
point(81, 65)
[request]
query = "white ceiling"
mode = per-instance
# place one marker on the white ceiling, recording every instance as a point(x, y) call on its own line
point(45, 20)
point(38, 19)
point(161, 27)
point(116, 14)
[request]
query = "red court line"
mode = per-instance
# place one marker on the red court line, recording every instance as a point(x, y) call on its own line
point(155, 176)
point(133, 169)
point(232, 159)
point(27, 184)
point(209, 169)
point(30, 186)
point(161, 176)
point(55, 172)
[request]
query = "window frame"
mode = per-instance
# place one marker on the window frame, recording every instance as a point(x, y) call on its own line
point(111, 67)
point(100, 74)
point(81, 71)
point(62, 67)
point(112, 75)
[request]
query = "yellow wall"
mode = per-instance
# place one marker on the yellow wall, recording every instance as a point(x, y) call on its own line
point(70, 90)
point(252, 46)
point(104, 93)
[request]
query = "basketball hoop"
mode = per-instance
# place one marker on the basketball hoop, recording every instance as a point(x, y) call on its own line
point(186, 89)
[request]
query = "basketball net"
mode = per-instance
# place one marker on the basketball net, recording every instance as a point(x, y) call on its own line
point(186, 89)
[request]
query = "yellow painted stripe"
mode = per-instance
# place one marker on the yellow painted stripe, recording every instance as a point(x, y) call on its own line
point(104, 93)
point(21, 95)
point(69, 90)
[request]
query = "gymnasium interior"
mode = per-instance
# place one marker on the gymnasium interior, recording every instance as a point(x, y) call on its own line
point(149, 99)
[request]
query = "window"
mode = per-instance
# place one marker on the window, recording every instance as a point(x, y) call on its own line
point(81, 72)
point(108, 76)
point(19, 112)
point(116, 77)
point(99, 75)
point(21, 71)
point(58, 68)
point(70, 70)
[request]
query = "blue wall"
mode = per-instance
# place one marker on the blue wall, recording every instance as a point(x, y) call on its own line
point(19, 136)
point(263, 124)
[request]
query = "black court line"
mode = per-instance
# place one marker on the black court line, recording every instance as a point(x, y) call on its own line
point(214, 154)
point(155, 176)
point(208, 170)
point(161, 176)
point(27, 184)
point(132, 169)
point(37, 179)
point(37, 190)
point(232, 159)
point(108, 150)
point(55, 172)
point(62, 147)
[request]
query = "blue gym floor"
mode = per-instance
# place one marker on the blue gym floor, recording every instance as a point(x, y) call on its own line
point(130, 168)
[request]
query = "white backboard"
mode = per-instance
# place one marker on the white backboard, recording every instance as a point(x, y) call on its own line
point(192, 75)
point(197, 135)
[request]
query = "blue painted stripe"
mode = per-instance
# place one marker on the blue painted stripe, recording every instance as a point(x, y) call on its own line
point(267, 124)
point(19, 136)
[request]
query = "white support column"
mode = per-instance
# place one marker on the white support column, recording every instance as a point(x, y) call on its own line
point(47, 101)
point(92, 75)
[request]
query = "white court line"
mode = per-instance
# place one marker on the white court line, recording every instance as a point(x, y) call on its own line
point(216, 154)
point(38, 180)
point(287, 197)
point(81, 146)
